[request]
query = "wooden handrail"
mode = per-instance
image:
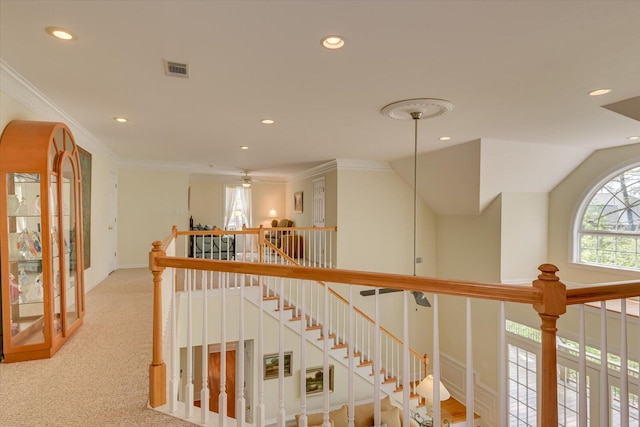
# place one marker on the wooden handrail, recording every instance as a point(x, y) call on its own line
point(602, 293)
point(491, 291)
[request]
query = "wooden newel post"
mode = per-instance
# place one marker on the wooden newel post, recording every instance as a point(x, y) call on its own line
point(157, 369)
point(553, 304)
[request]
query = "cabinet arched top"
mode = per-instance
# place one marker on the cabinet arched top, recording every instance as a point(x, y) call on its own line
point(33, 144)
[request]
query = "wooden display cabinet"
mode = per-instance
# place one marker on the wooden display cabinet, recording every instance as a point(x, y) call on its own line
point(41, 253)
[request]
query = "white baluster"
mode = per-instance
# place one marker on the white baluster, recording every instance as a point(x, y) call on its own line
point(624, 366)
point(222, 398)
point(302, 421)
point(174, 383)
point(604, 367)
point(376, 361)
point(351, 353)
point(582, 370)
point(405, 359)
point(325, 359)
point(436, 362)
point(261, 415)
point(240, 401)
point(188, 401)
point(469, 368)
point(204, 391)
point(504, 413)
point(281, 409)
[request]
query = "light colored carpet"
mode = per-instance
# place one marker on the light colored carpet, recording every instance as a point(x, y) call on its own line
point(100, 376)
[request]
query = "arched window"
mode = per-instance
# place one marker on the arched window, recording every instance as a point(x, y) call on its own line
point(608, 233)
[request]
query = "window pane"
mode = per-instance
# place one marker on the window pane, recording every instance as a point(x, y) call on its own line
point(614, 213)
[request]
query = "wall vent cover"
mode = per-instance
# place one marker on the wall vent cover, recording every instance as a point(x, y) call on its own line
point(176, 69)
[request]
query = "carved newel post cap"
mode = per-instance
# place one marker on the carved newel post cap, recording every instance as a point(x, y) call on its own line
point(548, 272)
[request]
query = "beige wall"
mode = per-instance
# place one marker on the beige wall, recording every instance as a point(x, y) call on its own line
point(150, 202)
point(103, 165)
point(523, 236)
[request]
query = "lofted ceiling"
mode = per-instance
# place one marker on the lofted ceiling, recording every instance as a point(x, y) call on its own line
point(517, 72)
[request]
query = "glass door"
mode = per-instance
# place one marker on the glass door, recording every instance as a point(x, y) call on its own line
point(69, 232)
point(27, 299)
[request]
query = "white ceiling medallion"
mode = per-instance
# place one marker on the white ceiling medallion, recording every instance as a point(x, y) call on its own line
point(426, 107)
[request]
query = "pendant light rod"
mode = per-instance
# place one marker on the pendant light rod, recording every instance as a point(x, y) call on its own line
point(415, 109)
point(415, 115)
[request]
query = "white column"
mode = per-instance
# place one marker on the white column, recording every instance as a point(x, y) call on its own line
point(325, 358)
point(351, 353)
point(281, 410)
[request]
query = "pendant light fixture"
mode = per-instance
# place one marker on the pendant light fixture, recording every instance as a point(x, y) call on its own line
point(414, 109)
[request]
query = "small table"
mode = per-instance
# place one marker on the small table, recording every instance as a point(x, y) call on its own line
point(293, 245)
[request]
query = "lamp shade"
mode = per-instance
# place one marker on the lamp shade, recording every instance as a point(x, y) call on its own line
point(425, 389)
point(272, 213)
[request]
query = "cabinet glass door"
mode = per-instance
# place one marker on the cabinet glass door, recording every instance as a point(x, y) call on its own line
point(69, 231)
point(25, 259)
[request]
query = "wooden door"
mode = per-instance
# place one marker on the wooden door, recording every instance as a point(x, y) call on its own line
point(214, 382)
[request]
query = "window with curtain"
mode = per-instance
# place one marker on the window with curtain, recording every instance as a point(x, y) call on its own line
point(608, 231)
point(237, 207)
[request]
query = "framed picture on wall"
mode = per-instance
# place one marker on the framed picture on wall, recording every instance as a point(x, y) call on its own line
point(271, 363)
point(297, 202)
point(314, 383)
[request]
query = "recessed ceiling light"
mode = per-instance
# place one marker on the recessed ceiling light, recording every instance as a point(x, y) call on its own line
point(634, 138)
point(267, 121)
point(445, 138)
point(121, 119)
point(599, 92)
point(333, 42)
point(61, 33)
point(244, 147)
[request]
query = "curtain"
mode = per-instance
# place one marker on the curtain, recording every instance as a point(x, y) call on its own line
point(237, 207)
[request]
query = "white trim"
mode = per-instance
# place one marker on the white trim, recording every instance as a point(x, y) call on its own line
point(602, 269)
point(318, 170)
point(356, 164)
point(518, 282)
point(12, 83)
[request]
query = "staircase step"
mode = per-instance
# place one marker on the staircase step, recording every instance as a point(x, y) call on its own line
point(270, 298)
point(365, 363)
point(390, 380)
point(287, 307)
point(314, 327)
point(331, 336)
point(337, 346)
point(356, 354)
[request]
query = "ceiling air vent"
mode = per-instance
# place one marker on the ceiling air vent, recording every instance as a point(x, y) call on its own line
point(176, 69)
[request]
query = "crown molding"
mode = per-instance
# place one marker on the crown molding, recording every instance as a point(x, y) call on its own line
point(357, 164)
point(342, 164)
point(19, 88)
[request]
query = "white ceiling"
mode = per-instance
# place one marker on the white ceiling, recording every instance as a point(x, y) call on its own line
point(516, 71)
